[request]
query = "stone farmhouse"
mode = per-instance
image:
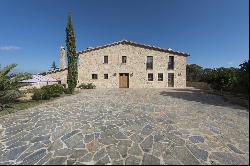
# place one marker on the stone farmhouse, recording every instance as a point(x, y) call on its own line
point(126, 64)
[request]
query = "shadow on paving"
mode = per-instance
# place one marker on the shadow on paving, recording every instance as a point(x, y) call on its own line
point(199, 96)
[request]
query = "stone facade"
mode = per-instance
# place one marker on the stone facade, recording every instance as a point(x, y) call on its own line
point(59, 75)
point(91, 61)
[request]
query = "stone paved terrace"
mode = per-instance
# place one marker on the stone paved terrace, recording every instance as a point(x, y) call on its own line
point(128, 126)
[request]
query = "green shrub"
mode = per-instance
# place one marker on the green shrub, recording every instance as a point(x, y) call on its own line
point(87, 86)
point(10, 83)
point(54, 90)
point(40, 94)
point(46, 92)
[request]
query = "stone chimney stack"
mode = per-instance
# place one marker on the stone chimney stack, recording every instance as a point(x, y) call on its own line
point(62, 58)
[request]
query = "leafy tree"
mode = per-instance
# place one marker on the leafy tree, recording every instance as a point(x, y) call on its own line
point(206, 75)
point(243, 84)
point(53, 66)
point(194, 72)
point(244, 67)
point(223, 79)
point(10, 84)
point(71, 55)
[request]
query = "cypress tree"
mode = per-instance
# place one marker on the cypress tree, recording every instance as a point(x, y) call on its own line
point(72, 56)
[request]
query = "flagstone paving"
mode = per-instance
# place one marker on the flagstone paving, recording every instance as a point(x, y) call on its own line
point(128, 126)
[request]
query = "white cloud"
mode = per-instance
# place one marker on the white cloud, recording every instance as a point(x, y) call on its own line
point(9, 48)
point(230, 63)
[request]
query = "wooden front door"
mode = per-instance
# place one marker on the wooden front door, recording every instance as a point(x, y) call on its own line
point(170, 79)
point(123, 80)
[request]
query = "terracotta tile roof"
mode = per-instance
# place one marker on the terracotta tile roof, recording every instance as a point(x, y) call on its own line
point(169, 50)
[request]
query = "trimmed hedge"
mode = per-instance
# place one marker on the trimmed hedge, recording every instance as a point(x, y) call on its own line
point(46, 92)
point(87, 86)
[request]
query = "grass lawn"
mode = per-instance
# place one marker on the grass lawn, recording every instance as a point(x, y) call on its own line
point(20, 105)
point(25, 104)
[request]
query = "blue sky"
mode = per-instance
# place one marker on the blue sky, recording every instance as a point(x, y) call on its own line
point(214, 32)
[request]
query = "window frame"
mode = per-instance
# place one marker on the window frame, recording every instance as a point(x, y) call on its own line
point(149, 77)
point(149, 65)
point(93, 78)
point(123, 59)
point(106, 75)
point(160, 77)
point(171, 63)
point(104, 62)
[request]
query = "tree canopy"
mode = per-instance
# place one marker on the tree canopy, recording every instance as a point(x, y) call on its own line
point(224, 79)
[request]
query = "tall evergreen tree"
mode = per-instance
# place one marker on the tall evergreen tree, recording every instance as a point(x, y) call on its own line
point(71, 55)
point(53, 66)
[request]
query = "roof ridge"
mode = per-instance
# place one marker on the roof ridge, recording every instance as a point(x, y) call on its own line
point(134, 43)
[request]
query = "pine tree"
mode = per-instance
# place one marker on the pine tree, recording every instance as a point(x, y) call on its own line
point(72, 56)
point(53, 66)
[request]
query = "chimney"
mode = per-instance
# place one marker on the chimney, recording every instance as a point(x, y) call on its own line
point(62, 58)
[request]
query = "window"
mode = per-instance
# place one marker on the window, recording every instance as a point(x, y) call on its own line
point(149, 62)
point(171, 63)
point(105, 59)
point(150, 77)
point(106, 76)
point(170, 79)
point(160, 76)
point(94, 76)
point(124, 59)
